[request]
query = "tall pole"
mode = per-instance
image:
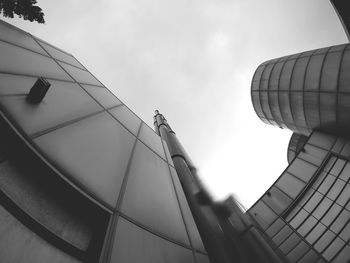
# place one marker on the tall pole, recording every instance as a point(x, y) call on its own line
point(224, 242)
point(214, 240)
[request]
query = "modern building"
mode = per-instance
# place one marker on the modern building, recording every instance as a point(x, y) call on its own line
point(83, 179)
point(306, 212)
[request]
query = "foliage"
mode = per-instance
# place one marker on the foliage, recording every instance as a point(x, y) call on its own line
point(25, 9)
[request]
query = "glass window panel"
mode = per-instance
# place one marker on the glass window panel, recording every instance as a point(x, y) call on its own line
point(263, 214)
point(296, 100)
point(264, 82)
point(337, 168)
point(292, 213)
point(306, 197)
point(290, 243)
point(300, 250)
point(313, 154)
point(322, 140)
point(330, 163)
point(257, 105)
point(265, 104)
point(299, 218)
point(151, 139)
point(343, 256)
point(311, 104)
point(331, 214)
point(302, 169)
point(279, 198)
point(345, 233)
point(290, 185)
point(319, 179)
point(15, 84)
point(282, 235)
point(338, 145)
point(309, 257)
point(94, 152)
point(61, 55)
point(187, 214)
point(20, 244)
point(255, 85)
point(290, 155)
point(18, 37)
point(345, 174)
point(286, 113)
point(298, 73)
point(344, 77)
point(307, 226)
point(329, 76)
point(103, 96)
point(344, 196)
point(313, 202)
point(274, 107)
point(333, 249)
point(343, 110)
point(127, 118)
point(272, 204)
point(346, 150)
point(313, 71)
point(327, 184)
point(81, 76)
point(150, 195)
point(286, 74)
point(275, 227)
point(340, 222)
point(258, 73)
point(275, 75)
point(335, 190)
point(134, 245)
point(21, 61)
point(315, 233)
point(322, 208)
point(328, 109)
point(324, 241)
point(63, 102)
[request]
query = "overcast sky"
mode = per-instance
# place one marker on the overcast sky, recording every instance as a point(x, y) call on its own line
point(194, 61)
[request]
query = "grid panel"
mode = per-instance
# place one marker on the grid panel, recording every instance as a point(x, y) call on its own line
point(323, 219)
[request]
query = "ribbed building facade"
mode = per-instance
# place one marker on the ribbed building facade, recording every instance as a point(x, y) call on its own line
point(305, 214)
point(305, 91)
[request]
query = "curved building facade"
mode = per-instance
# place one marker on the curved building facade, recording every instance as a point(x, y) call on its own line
point(296, 144)
point(306, 91)
point(305, 214)
point(82, 178)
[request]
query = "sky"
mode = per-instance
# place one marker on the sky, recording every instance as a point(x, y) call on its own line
point(194, 61)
